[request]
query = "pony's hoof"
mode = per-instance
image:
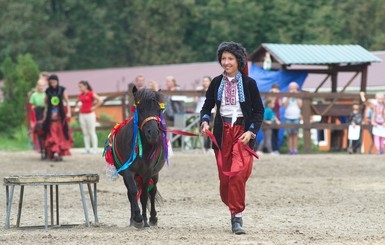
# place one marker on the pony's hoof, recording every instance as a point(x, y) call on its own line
point(154, 221)
point(138, 225)
point(146, 225)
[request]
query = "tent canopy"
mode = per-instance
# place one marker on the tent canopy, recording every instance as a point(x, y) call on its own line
point(319, 59)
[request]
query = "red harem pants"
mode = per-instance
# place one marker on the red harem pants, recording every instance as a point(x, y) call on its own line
point(233, 188)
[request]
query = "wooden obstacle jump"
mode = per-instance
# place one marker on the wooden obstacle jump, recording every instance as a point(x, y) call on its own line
point(50, 180)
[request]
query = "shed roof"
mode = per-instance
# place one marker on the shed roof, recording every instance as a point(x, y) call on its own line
point(308, 54)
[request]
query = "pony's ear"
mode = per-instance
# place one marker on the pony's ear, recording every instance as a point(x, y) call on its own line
point(134, 90)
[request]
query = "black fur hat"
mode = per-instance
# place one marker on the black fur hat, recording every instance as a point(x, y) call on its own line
point(237, 50)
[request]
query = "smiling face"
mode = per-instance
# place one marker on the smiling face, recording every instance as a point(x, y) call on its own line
point(229, 63)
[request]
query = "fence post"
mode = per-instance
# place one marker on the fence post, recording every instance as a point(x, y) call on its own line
point(306, 112)
point(124, 106)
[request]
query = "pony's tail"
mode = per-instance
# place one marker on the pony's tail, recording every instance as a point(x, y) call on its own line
point(159, 200)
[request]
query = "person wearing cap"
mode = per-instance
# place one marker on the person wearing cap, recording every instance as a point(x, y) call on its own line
point(57, 114)
point(239, 117)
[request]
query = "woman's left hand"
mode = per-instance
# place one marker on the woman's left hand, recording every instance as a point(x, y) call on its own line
point(245, 137)
point(68, 114)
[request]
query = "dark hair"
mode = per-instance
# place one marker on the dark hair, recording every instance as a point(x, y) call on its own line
point(275, 86)
point(53, 77)
point(236, 49)
point(85, 83)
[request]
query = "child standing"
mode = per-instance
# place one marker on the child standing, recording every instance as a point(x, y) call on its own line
point(355, 119)
point(269, 118)
point(378, 122)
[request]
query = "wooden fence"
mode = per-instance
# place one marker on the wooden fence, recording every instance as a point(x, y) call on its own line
point(327, 105)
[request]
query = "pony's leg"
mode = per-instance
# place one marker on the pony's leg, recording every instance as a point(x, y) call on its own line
point(143, 200)
point(136, 219)
point(153, 218)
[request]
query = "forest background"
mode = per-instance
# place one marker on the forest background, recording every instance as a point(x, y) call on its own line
point(73, 34)
point(56, 35)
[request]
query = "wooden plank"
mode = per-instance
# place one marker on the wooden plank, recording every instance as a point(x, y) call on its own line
point(314, 126)
point(190, 93)
point(51, 179)
point(334, 109)
point(306, 123)
point(334, 80)
point(364, 78)
point(324, 96)
point(322, 83)
point(303, 94)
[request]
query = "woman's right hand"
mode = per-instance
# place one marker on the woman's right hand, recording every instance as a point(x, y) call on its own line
point(204, 126)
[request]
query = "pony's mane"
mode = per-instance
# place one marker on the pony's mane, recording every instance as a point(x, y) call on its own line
point(147, 96)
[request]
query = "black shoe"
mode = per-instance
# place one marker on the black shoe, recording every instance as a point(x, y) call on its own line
point(236, 226)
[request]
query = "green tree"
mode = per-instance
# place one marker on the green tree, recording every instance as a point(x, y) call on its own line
point(30, 27)
point(19, 79)
point(72, 34)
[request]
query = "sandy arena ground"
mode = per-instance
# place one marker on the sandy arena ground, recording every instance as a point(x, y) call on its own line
point(305, 199)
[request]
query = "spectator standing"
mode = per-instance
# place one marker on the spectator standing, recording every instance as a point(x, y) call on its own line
point(378, 122)
point(368, 120)
point(355, 120)
point(87, 116)
point(139, 83)
point(293, 116)
point(277, 106)
point(200, 101)
point(172, 106)
point(269, 117)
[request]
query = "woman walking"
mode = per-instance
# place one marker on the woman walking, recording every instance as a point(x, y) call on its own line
point(87, 117)
point(57, 113)
point(239, 117)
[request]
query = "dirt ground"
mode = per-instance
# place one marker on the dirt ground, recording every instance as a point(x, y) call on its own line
point(304, 199)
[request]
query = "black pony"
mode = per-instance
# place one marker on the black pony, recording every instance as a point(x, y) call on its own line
point(140, 146)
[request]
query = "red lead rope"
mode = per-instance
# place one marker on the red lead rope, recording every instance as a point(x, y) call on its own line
point(219, 159)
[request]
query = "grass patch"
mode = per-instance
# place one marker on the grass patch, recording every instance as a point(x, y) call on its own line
point(16, 141)
point(78, 138)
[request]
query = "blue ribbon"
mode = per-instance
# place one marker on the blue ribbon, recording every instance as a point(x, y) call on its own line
point(133, 155)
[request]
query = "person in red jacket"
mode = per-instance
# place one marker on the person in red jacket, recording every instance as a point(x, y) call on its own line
point(87, 117)
point(239, 117)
